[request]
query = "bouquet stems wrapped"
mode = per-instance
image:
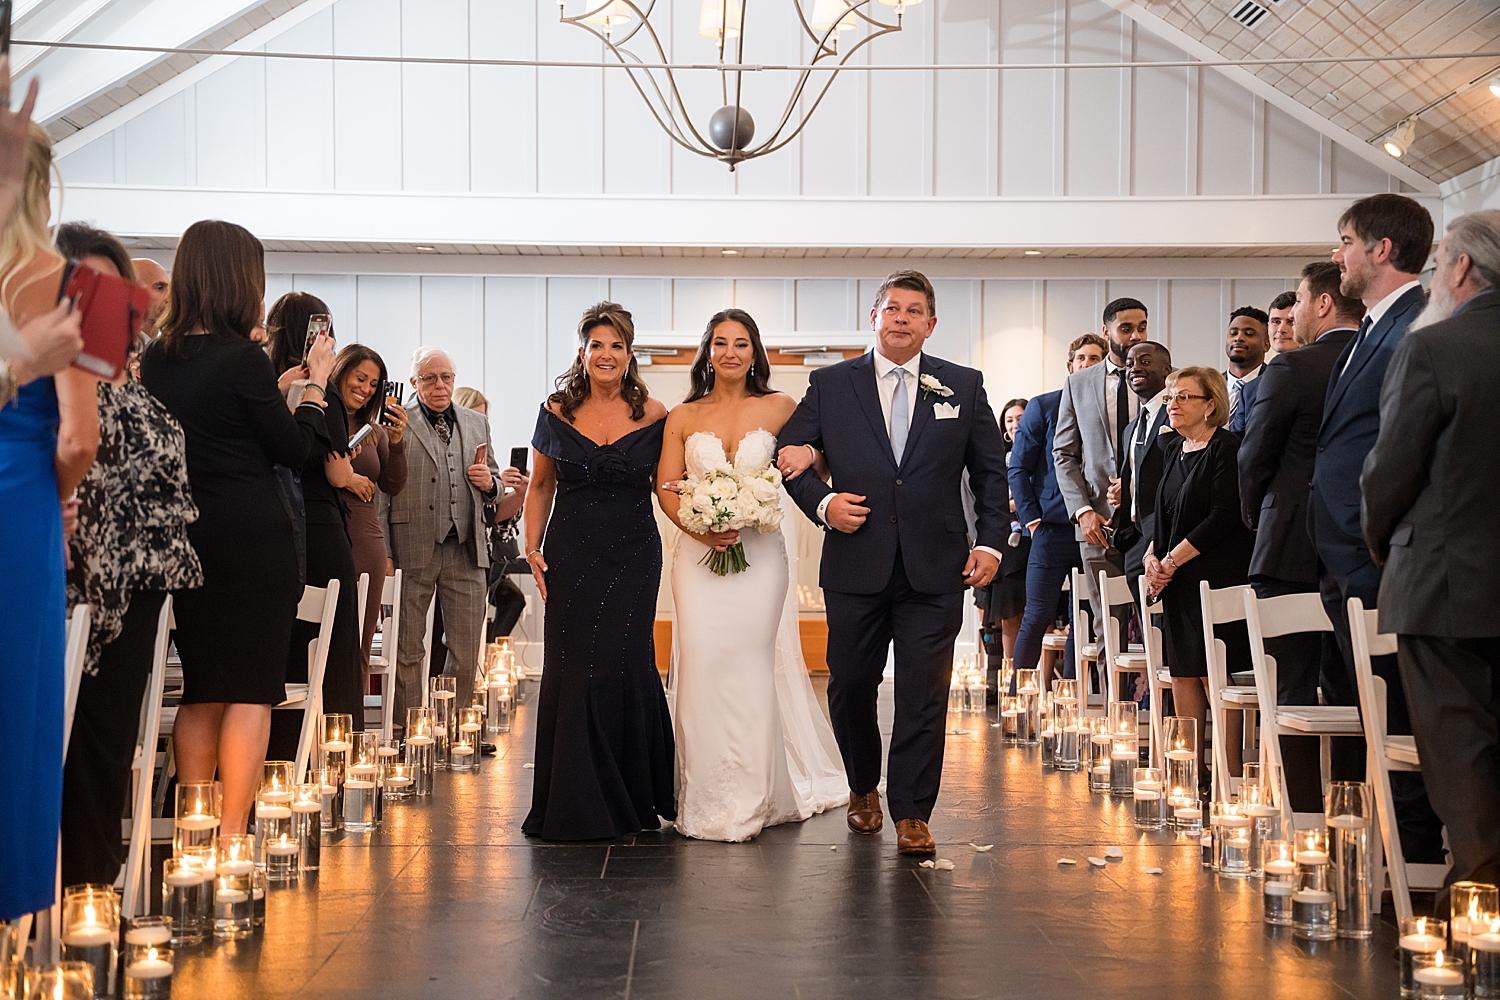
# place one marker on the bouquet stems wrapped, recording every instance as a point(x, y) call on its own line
point(728, 499)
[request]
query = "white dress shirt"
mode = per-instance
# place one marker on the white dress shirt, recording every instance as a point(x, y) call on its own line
point(1147, 418)
point(1112, 375)
point(1235, 383)
point(1377, 313)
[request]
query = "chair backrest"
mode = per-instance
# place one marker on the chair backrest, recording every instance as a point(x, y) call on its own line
point(1078, 587)
point(1114, 592)
point(318, 604)
point(362, 589)
point(137, 899)
point(1367, 641)
point(429, 641)
point(390, 625)
point(1219, 607)
point(1151, 643)
point(73, 655)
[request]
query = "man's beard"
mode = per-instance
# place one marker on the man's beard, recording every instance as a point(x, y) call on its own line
point(1440, 306)
point(1352, 284)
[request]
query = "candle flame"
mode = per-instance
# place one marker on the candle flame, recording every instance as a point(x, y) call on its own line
point(1421, 925)
point(1439, 962)
point(89, 917)
point(1473, 908)
point(151, 954)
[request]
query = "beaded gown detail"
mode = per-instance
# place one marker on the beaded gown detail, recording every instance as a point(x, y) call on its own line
point(754, 748)
point(604, 748)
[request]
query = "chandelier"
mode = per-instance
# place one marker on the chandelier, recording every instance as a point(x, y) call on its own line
point(729, 135)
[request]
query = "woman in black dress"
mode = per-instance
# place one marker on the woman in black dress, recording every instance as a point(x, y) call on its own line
point(330, 556)
point(604, 750)
point(232, 633)
point(1198, 535)
point(1003, 601)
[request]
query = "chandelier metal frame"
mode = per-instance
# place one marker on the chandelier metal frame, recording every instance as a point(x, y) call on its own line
point(664, 100)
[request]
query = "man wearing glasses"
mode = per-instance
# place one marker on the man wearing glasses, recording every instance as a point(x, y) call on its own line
point(437, 532)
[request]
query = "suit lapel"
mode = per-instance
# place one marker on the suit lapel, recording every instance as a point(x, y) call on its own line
point(1102, 399)
point(1373, 343)
point(419, 426)
point(862, 376)
point(922, 416)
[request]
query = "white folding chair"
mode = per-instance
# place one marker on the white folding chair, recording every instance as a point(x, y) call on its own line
point(429, 642)
point(383, 663)
point(138, 857)
point(318, 604)
point(1386, 754)
point(1269, 618)
point(1086, 649)
point(1221, 607)
point(1120, 657)
point(1054, 648)
point(49, 927)
point(1157, 675)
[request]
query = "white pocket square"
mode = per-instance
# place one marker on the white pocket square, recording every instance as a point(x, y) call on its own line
point(945, 411)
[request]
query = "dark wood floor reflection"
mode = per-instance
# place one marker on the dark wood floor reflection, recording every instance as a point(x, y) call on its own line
point(449, 901)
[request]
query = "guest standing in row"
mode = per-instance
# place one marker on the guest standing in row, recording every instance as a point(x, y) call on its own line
point(604, 745)
point(1281, 327)
point(1197, 535)
point(232, 633)
point(1002, 603)
point(1245, 347)
point(379, 467)
point(131, 548)
point(1133, 494)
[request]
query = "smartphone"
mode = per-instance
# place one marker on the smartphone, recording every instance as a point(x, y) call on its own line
point(360, 435)
point(388, 391)
point(5, 10)
point(479, 455)
point(518, 458)
point(316, 323)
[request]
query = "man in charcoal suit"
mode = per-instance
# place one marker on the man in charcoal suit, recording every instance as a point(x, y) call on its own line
point(1430, 485)
point(1134, 495)
point(1276, 469)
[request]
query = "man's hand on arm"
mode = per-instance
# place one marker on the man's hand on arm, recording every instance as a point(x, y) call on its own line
point(844, 513)
point(1092, 524)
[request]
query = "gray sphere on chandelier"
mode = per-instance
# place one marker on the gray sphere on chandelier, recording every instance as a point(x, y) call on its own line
point(726, 133)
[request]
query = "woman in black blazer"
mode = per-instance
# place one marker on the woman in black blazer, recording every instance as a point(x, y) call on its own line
point(1198, 535)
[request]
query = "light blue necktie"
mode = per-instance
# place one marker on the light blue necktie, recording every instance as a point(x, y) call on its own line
point(900, 418)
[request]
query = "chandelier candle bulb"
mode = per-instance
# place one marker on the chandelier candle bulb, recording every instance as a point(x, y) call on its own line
point(1421, 938)
point(90, 930)
point(307, 822)
point(187, 898)
point(1146, 789)
point(1280, 882)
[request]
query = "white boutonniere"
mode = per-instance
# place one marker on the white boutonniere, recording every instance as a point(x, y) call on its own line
point(928, 383)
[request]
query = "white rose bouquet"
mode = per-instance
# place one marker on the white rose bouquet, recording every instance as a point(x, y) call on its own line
point(725, 499)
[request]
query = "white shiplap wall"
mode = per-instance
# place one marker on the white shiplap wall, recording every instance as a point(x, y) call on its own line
point(284, 124)
point(510, 336)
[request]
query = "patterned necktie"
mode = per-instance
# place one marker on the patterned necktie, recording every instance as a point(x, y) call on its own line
point(900, 418)
point(1235, 388)
point(440, 424)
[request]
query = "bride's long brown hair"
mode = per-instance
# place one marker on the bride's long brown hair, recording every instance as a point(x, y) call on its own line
point(573, 384)
point(757, 382)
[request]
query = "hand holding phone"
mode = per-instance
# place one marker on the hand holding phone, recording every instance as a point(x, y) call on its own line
point(519, 458)
point(479, 454)
point(479, 473)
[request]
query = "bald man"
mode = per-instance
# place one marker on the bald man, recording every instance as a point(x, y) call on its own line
point(151, 274)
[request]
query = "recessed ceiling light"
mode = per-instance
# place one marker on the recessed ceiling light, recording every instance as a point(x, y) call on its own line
point(729, 253)
point(426, 248)
point(1033, 253)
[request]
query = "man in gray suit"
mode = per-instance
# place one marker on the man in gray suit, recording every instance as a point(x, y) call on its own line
point(1429, 488)
point(437, 524)
point(1096, 407)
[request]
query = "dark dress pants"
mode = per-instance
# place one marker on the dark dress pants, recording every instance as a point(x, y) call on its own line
point(1054, 554)
point(106, 722)
point(1453, 687)
point(1421, 830)
point(861, 628)
point(1304, 661)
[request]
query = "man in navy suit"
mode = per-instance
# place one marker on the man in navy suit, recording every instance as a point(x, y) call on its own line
point(1041, 508)
point(1384, 242)
point(898, 429)
point(1246, 345)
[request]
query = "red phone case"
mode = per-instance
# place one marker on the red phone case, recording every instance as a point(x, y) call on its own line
point(114, 310)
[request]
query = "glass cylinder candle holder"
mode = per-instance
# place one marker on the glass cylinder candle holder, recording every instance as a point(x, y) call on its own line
point(444, 694)
point(1147, 784)
point(148, 959)
point(187, 898)
point(955, 693)
point(260, 887)
point(1101, 742)
point(361, 783)
point(1047, 734)
point(1010, 718)
point(275, 833)
point(307, 822)
point(1313, 915)
point(1312, 859)
point(195, 822)
point(501, 700)
point(976, 700)
point(1421, 939)
point(421, 743)
point(1206, 849)
point(234, 900)
point(1468, 903)
point(1260, 799)
point(90, 932)
point(1029, 689)
point(1484, 959)
point(62, 981)
point(1349, 811)
point(1231, 834)
point(464, 753)
point(1438, 977)
point(1065, 719)
point(1124, 750)
point(1181, 749)
point(1279, 869)
point(276, 780)
point(335, 740)
point(398, 781)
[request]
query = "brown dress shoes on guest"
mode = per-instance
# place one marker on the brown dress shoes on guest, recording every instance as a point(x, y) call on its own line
point(864, 812)
point(913, 837)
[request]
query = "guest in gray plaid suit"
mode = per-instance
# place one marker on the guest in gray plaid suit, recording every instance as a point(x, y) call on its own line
point(437, 527)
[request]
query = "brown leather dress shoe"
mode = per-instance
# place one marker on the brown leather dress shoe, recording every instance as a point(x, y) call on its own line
point(913, 837)
point(864, 813)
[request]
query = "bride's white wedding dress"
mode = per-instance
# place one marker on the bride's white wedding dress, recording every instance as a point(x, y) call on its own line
point(753, 746)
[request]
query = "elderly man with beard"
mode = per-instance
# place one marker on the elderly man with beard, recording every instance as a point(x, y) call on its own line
point(1429, 488)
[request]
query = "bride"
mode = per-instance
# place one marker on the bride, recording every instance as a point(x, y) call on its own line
point(753, 746)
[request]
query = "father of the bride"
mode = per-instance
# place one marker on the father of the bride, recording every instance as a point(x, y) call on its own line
point(898, 428)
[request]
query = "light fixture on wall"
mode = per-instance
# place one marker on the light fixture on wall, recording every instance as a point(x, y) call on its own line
point(1495, 85)
point(729, 133)
point(1401, 138)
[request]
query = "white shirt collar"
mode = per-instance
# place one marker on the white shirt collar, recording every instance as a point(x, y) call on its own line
point(1154, 403)
point(1380, 308)
point(884, 365)
point(1242, 379)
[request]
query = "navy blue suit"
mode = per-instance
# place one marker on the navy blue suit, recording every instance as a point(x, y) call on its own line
point(1351, 424)
point(1054, 553)
point(900, 575)
point(1241, 416)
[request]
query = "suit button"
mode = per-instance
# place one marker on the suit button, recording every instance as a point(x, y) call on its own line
point(898, 482)
point(893, 518)
point(429, 506)
point(434, 478)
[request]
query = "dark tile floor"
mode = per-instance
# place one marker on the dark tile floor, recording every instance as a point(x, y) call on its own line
point(449, 901)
